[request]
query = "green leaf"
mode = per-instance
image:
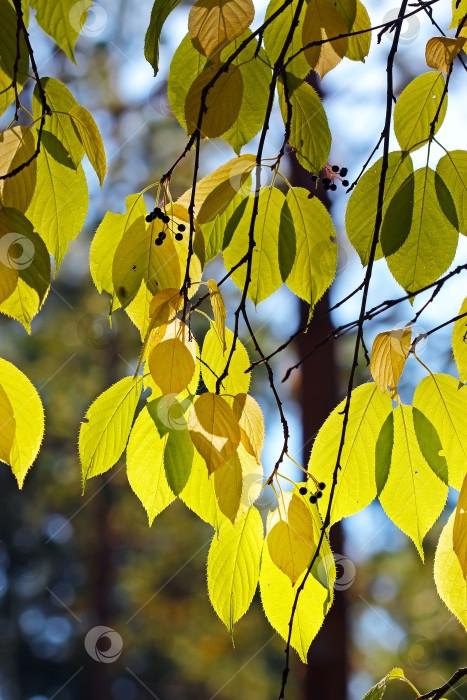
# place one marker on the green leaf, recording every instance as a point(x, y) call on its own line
point(218, 233)
point(360, 216)
point(256, 76)
point(398, 218)
point(278, 595)
point(449, 578)
point(159, 13)
point(222, 102)
point(356, 485)
point(59, 123)
point(424, 255)
point(424, 495)
point(21, 407)
point(347, 10)
point(315, 261)
point(62, 20)
point(430, 445)
point(459, 343)
point(444, 402)
point(378, 690)
point(145, 464)
point(452, 168)
point(178, 459)
point(309, 130)
point(276, 33)
point(59, 204)
point(199, 494)
point(383, 452)
point(233, 567)
point(106, 239)
point(23, 252)
point(265, 271)
point(214, 360)
point(359, 45)
point(16, 147)
point(416, 108)
point(323, 20)
point(91, 139)
point(8, 44)
point(459, 10)
point(186, 65)
point(105, 429)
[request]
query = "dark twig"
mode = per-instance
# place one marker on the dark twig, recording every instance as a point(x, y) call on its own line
point(437, 693)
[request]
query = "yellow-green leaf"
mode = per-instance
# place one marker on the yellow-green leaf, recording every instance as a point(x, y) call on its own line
point(218, 309)
point(444, 402)
point(290, 538)
point(172, 361)
point(8, 44)
point(323, 21)
point(228, 486)
point(424, 495)
point(356, 485)
point(233, 567)
point(62, 20)
point(277, 31)
point(16, 147)
point(213, 429)
point(145, 464)
point(441, 51)
point(459, 10)
point(212, 24)
point(459, 343)
point(23, 404)
point(416, 108)
point(105, 429)
point(186, 65)
point(251, 421)
point(377, 691)
point(359, 45)
point(459, 533)
point(161, 9)
point(449, 578)
point(214, 360)
point(452, 168)
point(388, 357)
point(199, 494)
point(91, 139)
point(222, 103)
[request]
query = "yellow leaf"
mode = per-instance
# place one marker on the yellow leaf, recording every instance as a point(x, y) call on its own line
point(214, 430)
point(388, 358)
point(214, 361)
point(8, 275)
point(172, 361)
point(25, 408)
point(459, 342)
point(441, 51)
point(222, 103)
point(163, 307)
point(290, 540)
point(459, 534)
point(91, 139)
point(449, 579)
point(322, 21)
point(216, 190)
point(212, 24)
point(16, 147)
point(228, 482)
point(251, 421)
point(218, 309)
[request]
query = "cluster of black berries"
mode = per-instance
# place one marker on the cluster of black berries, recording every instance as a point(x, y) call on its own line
point(314, 496)
point(332, 174)
point(157, 213)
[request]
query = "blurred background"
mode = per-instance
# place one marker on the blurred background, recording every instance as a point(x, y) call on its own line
point(69, 563)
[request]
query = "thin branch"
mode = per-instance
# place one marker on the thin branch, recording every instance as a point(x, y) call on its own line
point(437, 693)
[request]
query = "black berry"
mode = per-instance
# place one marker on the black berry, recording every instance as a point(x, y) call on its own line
point(345, 183)
point(326, 181)
point(158, 241)
point(178, 237)
point(335, 168)
point(313, 499)
point(149, 218)
point(326, 186)
point(157, 211)
point(333, 187)
point(181, 227)
point(321, 486)
point(344, 172)
point(319, 494)
point(303, 491)
point(163, 236)
point(314, 178)
point(165, 218)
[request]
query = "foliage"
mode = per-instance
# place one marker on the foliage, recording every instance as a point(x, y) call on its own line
point(200, 434)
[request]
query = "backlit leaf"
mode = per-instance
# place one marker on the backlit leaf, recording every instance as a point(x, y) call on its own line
point(159, 13)
point(323, 21)
point(16, 147)
point(218, 309)
point(178, 456)
point(105, 429)
point(91, 139)
point(378, 691)
point(233, 567)
point(276, 33)
point(290, 540)
point(449, 578)
point(444, 402)
point(212, 24)
point(20, 402)
point(441, 51)
point(214, 361)
point(222, 103)
point(145, 465)
point(459, 533)
point(452, 168)
point(459, 10)
point(172, 361)
point(251, 421)
point(228, 486)
point(356, 485)
point(424, 495)
point(459, 343)
point(388, 357)
point(416, 108)
point(199, 494)
point(359, 46)
point(213, 429)
point(187, 63)
point(8, 44)
point(62, 20)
